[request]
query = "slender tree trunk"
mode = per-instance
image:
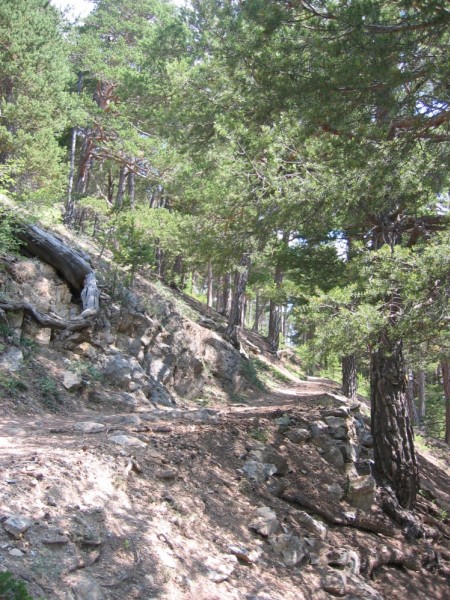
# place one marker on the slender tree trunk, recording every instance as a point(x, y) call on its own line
point(226, 295)
point(219, 296)
point(273, 336)
point(445, 368)
point(392, 430)
point(209, 285)
point(240, 284)
point(422, 396)
point(349, 380)
point(410, 397)
point(121, 187)
point(70, 205)
point(85, 163)
point(260, 307)
point(132, 188)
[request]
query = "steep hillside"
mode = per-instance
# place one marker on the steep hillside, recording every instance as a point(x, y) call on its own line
point(146, 458)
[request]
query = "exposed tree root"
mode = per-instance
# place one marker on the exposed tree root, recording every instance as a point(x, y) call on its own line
point(387, 555)
point(47, 320)
point(72, 266)
point(412, 527)
point(357, 518)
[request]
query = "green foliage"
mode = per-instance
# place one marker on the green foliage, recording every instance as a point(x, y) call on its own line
point(259, 434)
point(34, 102)
point(51, 397)
point(12, 384)
point(250, 372)
point(12, 588)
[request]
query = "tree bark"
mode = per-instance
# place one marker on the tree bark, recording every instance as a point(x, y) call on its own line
point(71, 265)
point(240, 284)
point(392, 431)
point(209, 286)
point(121, 187)
point(349, 381)
point(422, 396)
point(273, 336)
point(226, 295)
point(445, 368)
point(260, 306)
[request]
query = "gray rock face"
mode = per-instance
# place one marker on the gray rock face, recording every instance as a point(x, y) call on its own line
point(258, 472)
point(89, 427)
point(361, 492)
point(127, 440)
point(298, 436)
point(266, 522)
point(86, 588)
point(334, 582)
point(272, 457)
point(314, 526)
point(220, 568)
point(72, 381)
point(12, 359)
point(291, 548)
point(345, 559)
point(17, 525)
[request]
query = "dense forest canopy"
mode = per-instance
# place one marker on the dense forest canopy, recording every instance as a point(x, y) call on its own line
point(285, 161)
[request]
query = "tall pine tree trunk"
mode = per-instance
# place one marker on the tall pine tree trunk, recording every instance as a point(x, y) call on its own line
point(445, 368)
point(273, 336)
point(236, 312)
point(348, 364)
point(392, 430)
point(260, 305)
point(226, 295)
point(121, 187)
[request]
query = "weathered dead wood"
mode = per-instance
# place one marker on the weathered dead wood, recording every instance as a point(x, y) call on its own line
point(388, 555)
point(71, 265)
point(358, 519)
point(48, 320)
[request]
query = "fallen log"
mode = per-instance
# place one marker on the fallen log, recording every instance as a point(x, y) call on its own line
point(73, 267)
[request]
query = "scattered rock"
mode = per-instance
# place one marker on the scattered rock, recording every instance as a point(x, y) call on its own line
point(298, 436)
point(334, 582)
point(17, 525)
point(16, 552)
point(336, 491)
point(312, 525)
point(344, 559)
point(272, 457)
point(72, 381)
point(89, 427)
point(258, 472)
point(277, 487)
point(86, 588)
point(361, 493)
point(243, 554)
point(12, 359)
point(266, 522)
point(219, 569)
point(283, 421)
point(127, 440)
point(291, 548)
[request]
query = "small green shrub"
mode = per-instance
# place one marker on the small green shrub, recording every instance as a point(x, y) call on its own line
point(259, 434)
point(249, 371)
point(12, 385)
point(11, 588)
point(51, 397)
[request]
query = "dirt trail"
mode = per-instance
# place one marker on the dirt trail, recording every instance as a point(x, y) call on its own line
point(150, 504)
